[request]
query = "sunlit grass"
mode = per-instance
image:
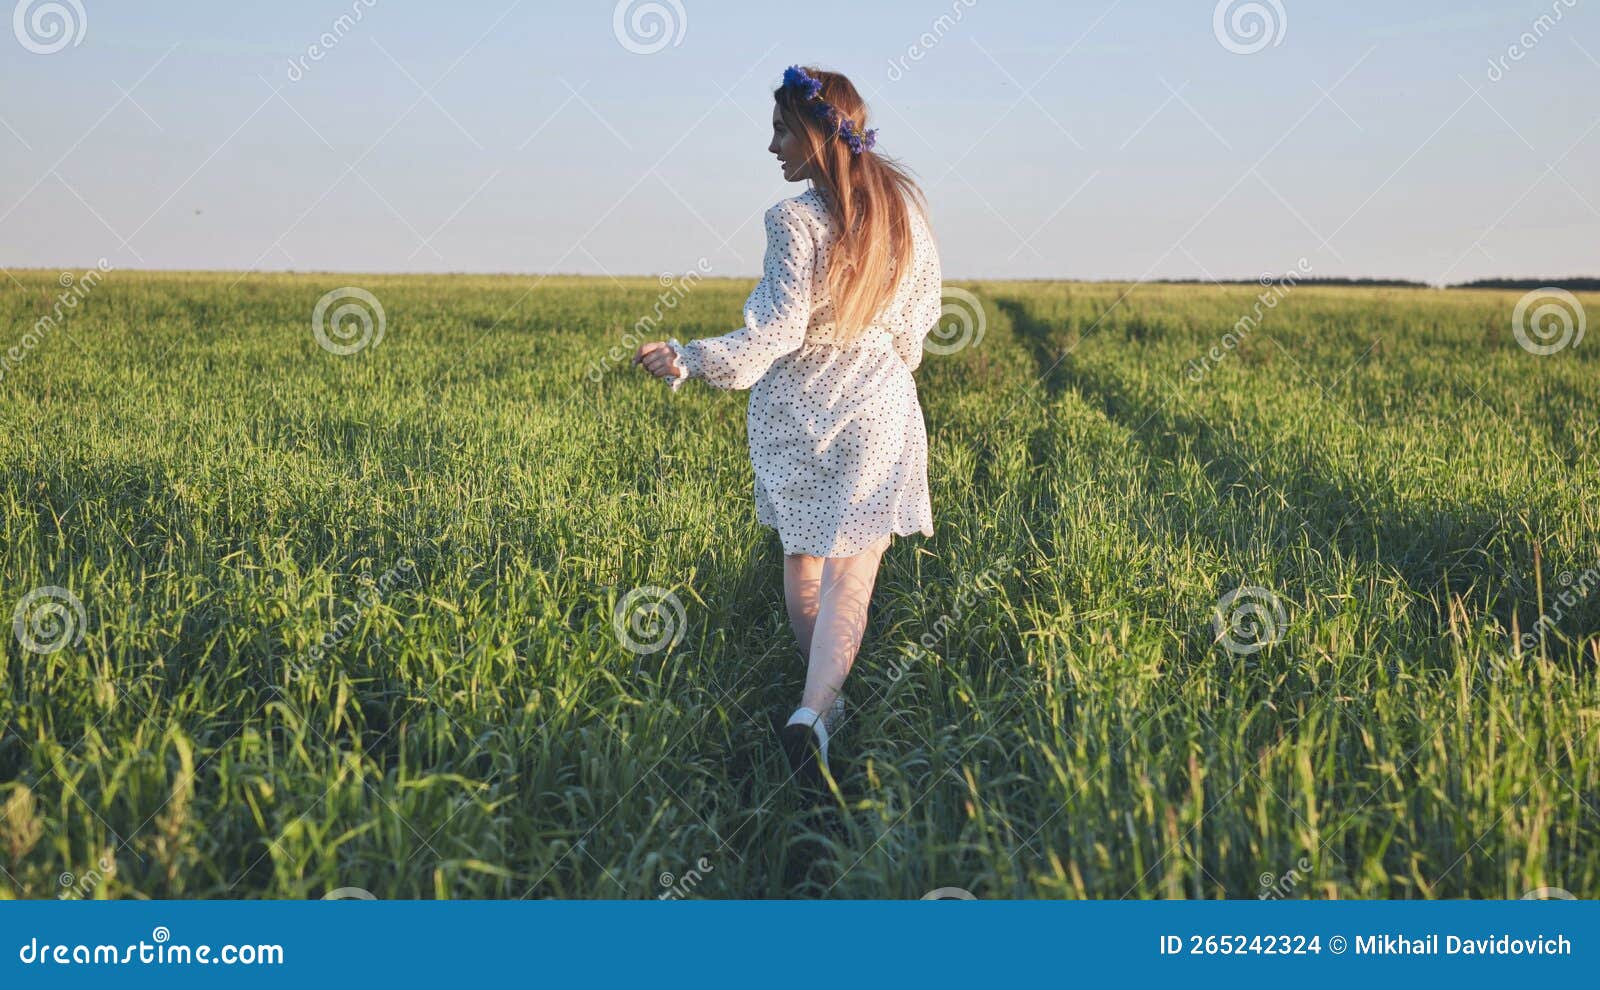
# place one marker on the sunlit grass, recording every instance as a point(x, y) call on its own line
point(1041, 708)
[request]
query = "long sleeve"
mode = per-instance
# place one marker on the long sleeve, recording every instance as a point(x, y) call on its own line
point(924, 302)
point(775, 316)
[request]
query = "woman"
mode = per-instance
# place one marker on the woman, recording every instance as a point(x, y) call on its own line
point(850, 288)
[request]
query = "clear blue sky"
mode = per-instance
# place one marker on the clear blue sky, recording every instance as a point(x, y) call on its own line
point(1098, 139)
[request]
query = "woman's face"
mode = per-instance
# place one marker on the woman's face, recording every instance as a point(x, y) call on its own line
point(789, 148)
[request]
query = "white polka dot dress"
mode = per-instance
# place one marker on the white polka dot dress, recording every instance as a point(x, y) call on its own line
point(836, 433)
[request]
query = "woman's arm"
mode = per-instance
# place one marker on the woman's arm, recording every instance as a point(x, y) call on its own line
point(924, 301)
point(775, 316)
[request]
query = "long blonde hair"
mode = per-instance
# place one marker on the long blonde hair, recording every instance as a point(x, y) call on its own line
point(869, 197)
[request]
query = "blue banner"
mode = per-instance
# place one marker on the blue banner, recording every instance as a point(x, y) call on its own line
point(735, 943)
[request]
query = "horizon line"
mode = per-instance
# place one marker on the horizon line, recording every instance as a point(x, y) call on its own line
point(1393, 280)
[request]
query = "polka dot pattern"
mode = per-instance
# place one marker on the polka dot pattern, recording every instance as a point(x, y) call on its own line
point(836, 433)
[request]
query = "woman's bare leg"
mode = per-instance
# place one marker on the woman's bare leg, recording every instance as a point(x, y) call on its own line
point(802, 585)
point(841, 619)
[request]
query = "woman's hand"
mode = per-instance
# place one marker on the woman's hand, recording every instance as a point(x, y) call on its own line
point(658, 359)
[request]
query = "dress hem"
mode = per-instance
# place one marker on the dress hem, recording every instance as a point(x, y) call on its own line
point(906, 530)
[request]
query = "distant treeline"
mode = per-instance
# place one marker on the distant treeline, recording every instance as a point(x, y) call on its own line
point(1371, 282)
point(1570, 284)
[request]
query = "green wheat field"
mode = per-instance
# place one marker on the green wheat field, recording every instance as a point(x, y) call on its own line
point(1312, 611)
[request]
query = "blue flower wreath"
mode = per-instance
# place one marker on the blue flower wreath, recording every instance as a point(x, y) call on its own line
point(810, 89)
